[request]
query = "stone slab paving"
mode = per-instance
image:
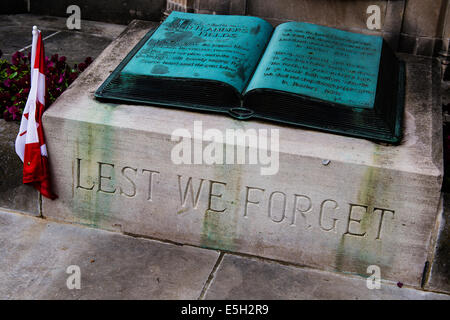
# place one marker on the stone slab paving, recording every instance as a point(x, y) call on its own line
point(65, 44)
point(104, 10)
point(14, 195)
point(14, 38)
point(90, 40)
point(36, 253)
point(243, 278)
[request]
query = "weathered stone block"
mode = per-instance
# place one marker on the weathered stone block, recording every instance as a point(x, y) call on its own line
point(407, 44)
point(234, 7)
point(424, 18)
point(425, 47)
point(14, 195)
point(439, 278)
point(333, 13)
point(369, 204)
point(347, 15)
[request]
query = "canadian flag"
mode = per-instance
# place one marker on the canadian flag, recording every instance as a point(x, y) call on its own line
point(30, 143)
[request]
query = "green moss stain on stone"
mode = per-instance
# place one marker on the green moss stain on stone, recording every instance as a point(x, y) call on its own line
point(340, 253)
point(371, 185)
point(82, 198)
point(373, 193)
point(219, 229)
point(356, 253)
point(95, 143)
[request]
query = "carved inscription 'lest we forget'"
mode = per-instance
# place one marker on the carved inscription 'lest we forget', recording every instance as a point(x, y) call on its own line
point(277, 206)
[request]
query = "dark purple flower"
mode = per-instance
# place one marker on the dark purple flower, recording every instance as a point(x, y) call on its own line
point(6, 115)
point(24, 82)
point(13, 111)
point(54, 58)
point(54, 77)
point(88, 60)
point(18, 55)
point(61, 78)
point(82, 66)
point(72, 77)
point(23, 67)
point(50, 70)
point(60, 65)
point(7, 83)
point(5, 95)
point(15, 59)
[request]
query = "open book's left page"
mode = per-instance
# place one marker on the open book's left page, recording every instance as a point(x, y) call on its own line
point(200, 46)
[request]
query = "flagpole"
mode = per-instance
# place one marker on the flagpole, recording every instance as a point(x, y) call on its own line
point(33, 50)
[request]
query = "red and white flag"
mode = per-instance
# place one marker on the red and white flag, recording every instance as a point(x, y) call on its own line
point(30, 143)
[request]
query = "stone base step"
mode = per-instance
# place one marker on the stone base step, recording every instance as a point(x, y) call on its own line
point(36, 254)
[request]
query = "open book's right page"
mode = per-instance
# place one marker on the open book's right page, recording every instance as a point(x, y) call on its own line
point(321, 63)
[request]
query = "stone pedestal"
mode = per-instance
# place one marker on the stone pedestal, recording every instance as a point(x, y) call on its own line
point(336, 203)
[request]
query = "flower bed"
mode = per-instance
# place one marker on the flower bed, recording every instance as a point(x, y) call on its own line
point(15, 81)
